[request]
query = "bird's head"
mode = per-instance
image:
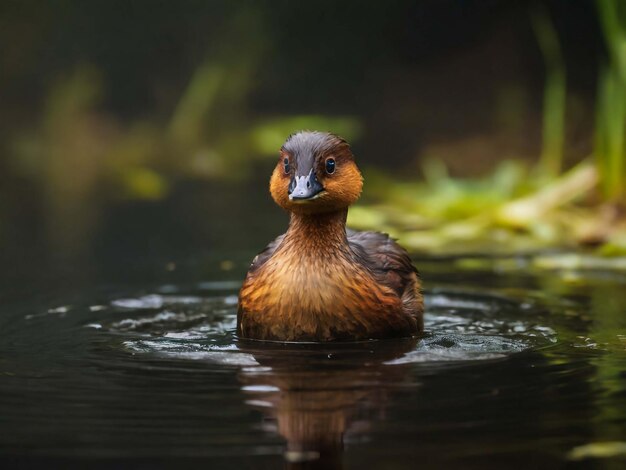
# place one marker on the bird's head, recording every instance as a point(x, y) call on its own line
point(315, 173)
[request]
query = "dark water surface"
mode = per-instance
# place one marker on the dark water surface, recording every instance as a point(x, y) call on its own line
point(516, 370)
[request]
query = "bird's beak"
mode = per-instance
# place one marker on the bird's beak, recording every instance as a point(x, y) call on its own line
point(305, 188)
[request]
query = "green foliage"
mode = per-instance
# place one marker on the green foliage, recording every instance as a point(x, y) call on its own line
point(187, 123)
point(503, 212)
point(214, 131)
point(268, 135)
point(611, 102)
point(598, 450)
point(507, 211)
point(554, 94)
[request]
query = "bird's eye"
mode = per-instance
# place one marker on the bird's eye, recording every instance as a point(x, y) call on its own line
point(330, 165)
point(286, 165)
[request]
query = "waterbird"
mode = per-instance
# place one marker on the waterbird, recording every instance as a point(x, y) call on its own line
point(320, 281)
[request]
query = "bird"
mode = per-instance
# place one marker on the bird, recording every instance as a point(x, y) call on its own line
point(319, 281)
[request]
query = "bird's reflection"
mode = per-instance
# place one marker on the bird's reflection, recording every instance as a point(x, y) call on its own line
point(313, 395)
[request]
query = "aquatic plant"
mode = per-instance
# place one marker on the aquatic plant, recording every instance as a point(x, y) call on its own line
point(554, 94)
point(610, 123)
point(213, 131)
point(557, 209)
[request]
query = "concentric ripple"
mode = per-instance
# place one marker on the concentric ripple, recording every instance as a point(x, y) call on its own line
point(459, 327)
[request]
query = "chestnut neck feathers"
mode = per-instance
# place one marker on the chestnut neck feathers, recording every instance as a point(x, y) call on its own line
point(317, 234)
point(316, 196)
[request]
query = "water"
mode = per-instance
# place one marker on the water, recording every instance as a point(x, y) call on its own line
point(516, 369)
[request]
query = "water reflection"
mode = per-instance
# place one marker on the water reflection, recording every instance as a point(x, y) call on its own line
point(154, 371)
point(314, 396)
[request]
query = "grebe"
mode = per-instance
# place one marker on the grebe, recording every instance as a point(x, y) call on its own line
point(319, 281)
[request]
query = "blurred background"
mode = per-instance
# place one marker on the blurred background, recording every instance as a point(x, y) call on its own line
point(147, 130)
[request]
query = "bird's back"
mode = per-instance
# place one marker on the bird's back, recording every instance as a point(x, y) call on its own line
point(391, 266)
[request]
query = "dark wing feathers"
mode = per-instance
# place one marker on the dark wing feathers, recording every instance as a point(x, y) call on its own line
point(260, 259)
point(389, 262)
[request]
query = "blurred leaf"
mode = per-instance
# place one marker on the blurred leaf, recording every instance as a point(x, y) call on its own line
point(71, 96)
point(196, 103)
point(363, 217)
point(554, 93)
point(610, 124)
point(143, 183)
point(598, 450)
point(526, 210)
point(268, 136)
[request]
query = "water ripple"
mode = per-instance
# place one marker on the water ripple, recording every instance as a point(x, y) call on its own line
point(459, 327)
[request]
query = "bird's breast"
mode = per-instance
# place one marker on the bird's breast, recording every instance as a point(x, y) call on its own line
point(323, 298)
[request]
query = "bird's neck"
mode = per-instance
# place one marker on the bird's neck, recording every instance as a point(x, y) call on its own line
point(315, 233)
